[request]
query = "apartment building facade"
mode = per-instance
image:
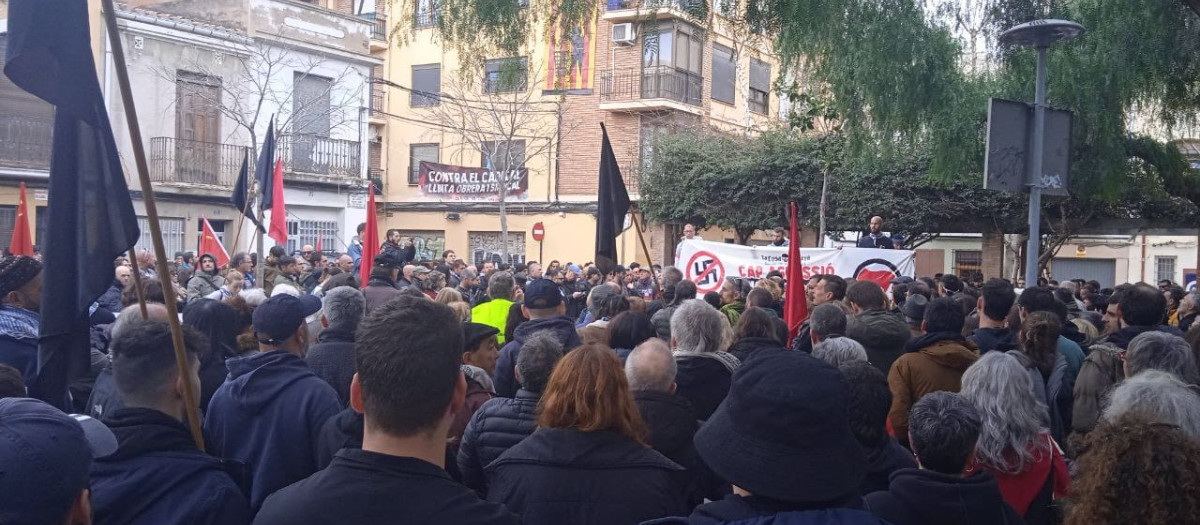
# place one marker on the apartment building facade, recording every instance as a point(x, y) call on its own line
point(640, 68)
point(208, 75)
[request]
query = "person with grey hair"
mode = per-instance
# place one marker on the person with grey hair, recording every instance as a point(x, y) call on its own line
point(943, 428)
point(699, 337)
point(1189, 307)
point(838, 351)
point(1158, 396)
point(104, 399)
point(669, 279)
point(1161, 351)
point(494, 312)
point(503, 422)
point(332, 358)
point(684, 291)
point(670, 420)
point(1014, 440)
point(826, 320)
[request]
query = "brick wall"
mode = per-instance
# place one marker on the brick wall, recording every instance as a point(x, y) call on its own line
point(993, 255)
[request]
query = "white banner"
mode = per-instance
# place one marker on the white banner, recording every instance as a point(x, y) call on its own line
point(709, 263)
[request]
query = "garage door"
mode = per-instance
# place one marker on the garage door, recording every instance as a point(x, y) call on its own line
point(1103, 270)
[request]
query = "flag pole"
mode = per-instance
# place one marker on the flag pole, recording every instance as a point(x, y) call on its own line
point(237, 234)
point(137, 281)
point(646, 250)
point(139, 154)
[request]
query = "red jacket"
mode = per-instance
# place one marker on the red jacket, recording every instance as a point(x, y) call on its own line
point(1020, 489)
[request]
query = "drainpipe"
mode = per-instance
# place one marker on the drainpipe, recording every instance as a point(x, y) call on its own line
point(1143, 258)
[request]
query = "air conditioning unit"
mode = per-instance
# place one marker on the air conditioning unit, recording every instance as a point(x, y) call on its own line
point(623, 34)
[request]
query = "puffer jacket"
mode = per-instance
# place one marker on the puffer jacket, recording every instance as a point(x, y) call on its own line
point(882, 333)
point(936, 363)
point(498, 425)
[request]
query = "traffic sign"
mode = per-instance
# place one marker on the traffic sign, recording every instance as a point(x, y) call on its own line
point(539, 232)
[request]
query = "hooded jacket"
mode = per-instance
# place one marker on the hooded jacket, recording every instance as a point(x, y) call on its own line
point(924, 497)
point(497, 426)
point(332, 359)
point(884, 459)
point(344, 430)
point(562, 475)
point(882, 333)
point(203, 283)
point(936, 363)
point(989, 339)
point(157, 475)
point(267, 416)
point(563, 330)
point(1101, 370)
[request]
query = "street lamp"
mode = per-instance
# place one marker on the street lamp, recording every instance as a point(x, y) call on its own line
point(1039, 34)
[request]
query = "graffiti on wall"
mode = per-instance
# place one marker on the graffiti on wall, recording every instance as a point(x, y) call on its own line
point(429, 244)
point(485, 246)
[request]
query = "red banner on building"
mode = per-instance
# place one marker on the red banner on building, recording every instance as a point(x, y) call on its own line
point(464, 183)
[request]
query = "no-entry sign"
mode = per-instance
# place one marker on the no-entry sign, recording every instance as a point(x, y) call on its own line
point(539, 232)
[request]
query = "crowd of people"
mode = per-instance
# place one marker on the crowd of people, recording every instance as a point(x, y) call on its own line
point(447, 392)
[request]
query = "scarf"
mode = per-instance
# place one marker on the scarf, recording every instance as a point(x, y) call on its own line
point(730, 361)
point(19, 323)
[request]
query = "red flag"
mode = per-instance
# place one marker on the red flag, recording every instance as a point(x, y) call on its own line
point(22, 242)
point(211, 245)
point(278, 229)
point(370, 240)
point(795, 306)
point(318, 248)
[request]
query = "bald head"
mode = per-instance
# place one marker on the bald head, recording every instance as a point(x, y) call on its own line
point(651, 367)
point(876, 224)
point(133, 313)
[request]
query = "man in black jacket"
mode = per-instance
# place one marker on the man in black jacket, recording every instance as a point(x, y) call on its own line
point(881, 332)
point(821, 289)
point(876, 238)
point(332, 358)
point(994, 305)
point(944, 428)
point(408, 387)
point(543, 306)
point(670, 419)
point(503, 422)
point(870, 400)
point(157, 475)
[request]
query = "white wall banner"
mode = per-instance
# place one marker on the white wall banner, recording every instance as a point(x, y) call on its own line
point(709, 263)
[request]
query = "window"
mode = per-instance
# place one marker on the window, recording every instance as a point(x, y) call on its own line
point(504, 155)
point(26, 125)
point(723, 74)
point(172, 234)
point(650, 133)
point(485, 246)
point(968, 264)
point(218, 227)
point(506, 75)
point(1164, 268)
point(427, 13)
point(760, 86)
point(426, 85)
point(672, 62)
point(416, 154)
point(310, 105)
point(309, 232)
point(8, 221)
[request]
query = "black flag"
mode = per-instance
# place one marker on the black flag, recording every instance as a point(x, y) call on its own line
point(241, 193)
point(611, 207)
point(90, 218)
point(264, 171)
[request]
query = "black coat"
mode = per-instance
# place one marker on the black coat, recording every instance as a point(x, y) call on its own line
point(157, 475)
point(883, 242)
point(558, 476)
point(560, 326)
point(111, 299)
point(368, 487)
point(925, 497)
point(743, 348)
point(332, 359)
point(882, 333)
point(672, 424)
point(497, 426)
point(989, 339)
point(755, 510)
point(882, 460)
point(345, 431)
point(702, 381)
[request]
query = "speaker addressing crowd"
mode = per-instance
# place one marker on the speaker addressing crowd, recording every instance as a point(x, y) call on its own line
point(447, 392)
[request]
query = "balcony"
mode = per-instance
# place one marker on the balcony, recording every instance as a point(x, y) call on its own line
point(379, 30)
point(426, 16)
point(651, 89)
point(25, 142)
point(179, 161)
point(631, 10)
point(377, 177)
point(320, 159)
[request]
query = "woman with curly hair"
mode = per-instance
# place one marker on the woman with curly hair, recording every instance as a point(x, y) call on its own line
point(1014, 442)
point(1038, 343)
point(1132, 471)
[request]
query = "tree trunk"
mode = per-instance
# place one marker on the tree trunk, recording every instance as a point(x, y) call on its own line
point(742, 235)
point(824, 194)
point(503, 217)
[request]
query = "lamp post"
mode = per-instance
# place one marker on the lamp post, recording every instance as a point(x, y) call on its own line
point(1039, 34)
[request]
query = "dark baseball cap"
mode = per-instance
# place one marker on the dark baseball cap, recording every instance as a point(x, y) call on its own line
point(541, 294)
point(279, 317)
point(45, 457)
